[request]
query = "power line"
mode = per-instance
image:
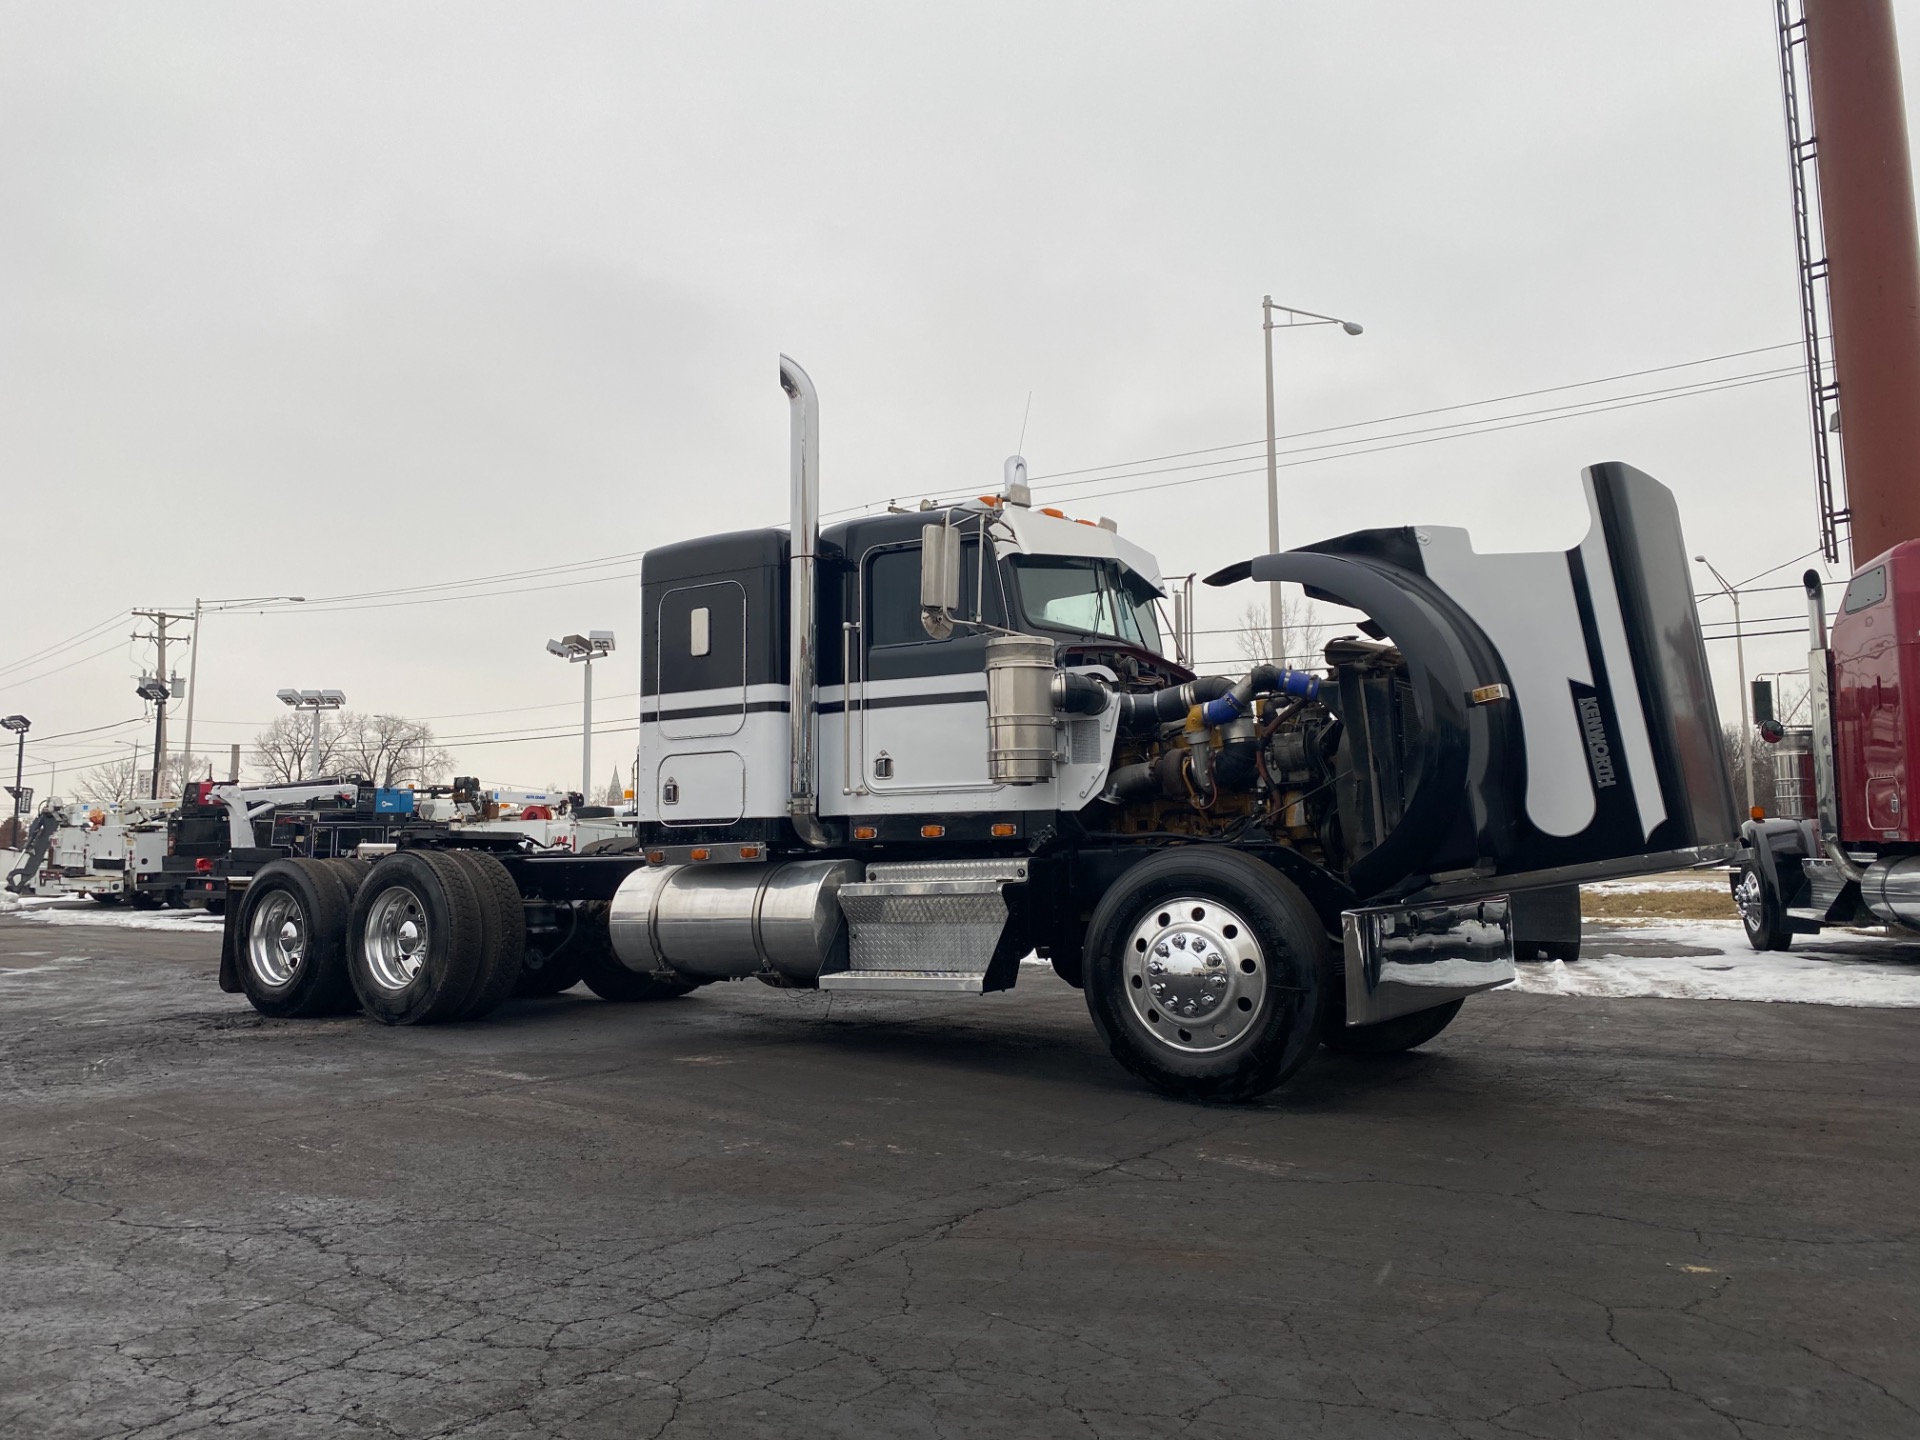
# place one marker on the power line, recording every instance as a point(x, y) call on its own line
point(81, 638)
point(1436, 410)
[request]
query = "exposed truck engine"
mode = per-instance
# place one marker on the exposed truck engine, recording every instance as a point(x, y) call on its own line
point(900, 754)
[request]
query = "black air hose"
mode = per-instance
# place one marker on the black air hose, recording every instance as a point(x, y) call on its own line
point(1163, 707)
point(1080, 694)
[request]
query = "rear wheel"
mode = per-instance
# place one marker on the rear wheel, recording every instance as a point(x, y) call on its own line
point(1759, 906)
point(416, 938)
point(1204, 974)
point(604, 973)
point(1390, 1037)
point(293, 926)
point(504, 928)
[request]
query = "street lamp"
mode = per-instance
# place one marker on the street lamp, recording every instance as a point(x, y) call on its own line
point(193, 646)
point(19, 724)
point(153, 689)
point(1740, 658)
point(316, 701)
point(1294, 317)
point(584, 650)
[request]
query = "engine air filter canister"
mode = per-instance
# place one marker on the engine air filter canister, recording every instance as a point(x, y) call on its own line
point(1019, 709)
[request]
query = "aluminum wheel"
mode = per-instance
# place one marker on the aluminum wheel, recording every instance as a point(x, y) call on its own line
point(1195, 975)
point(396, 938)
point(277, 939)
point(1751, 900)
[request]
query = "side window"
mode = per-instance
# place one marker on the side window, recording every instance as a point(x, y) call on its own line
point(893, 595)
point(703, 631)
point(1869, 588)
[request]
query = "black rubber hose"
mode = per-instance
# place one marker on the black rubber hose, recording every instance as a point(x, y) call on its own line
point(1080, 695)
point(1163, 707)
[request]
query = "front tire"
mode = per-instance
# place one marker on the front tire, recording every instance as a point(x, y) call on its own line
point(1759, 906)
point(1205, 971)
point(293, 929)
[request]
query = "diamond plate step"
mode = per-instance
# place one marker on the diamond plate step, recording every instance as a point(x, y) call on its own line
point(924, 925)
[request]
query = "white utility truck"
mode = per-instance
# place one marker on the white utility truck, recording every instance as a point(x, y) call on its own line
point(900, 754)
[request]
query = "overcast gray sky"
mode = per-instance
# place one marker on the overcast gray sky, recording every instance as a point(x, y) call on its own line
point(330, 299)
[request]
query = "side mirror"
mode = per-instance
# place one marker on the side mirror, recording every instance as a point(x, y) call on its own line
point(939, 579)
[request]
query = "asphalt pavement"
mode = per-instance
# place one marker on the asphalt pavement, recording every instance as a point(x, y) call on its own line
point(766, 1213)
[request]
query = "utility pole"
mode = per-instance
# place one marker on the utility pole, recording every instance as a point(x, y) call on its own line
point(161, 689)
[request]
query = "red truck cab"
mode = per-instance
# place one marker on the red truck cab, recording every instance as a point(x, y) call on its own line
point(1876, 698)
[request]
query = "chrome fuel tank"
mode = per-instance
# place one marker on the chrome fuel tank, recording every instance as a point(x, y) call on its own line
point(723, 922)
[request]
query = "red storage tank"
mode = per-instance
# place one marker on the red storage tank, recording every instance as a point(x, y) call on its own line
point(1876, 660)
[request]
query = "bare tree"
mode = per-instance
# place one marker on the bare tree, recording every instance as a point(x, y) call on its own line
point(389, 750)
point(283, 751)
point(115, 782)
point(1302, 633)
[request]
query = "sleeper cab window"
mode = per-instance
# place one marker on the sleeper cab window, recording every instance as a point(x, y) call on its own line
point(700, 631)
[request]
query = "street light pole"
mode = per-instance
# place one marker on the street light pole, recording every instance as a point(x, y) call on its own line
point(19, 724)
point(1740, 660)
point(578, 650)
point(1276, 630)
point(193, 647)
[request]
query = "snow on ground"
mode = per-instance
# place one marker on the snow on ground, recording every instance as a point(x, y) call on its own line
point(1712, 882)
point(65, 910)
point(1710, 960)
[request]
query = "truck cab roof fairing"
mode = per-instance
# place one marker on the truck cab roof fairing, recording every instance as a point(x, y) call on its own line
point(1600, 752)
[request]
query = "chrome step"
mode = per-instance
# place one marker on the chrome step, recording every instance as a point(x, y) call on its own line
point(925, 926)
point(907, 982)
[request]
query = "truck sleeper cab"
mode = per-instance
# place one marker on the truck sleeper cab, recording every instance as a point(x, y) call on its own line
point(1845, 848)
point(901, 753)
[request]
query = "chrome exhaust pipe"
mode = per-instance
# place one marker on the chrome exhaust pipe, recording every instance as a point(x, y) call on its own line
point(803, 800)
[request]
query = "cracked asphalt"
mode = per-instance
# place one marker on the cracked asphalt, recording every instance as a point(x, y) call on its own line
point(765, 1213)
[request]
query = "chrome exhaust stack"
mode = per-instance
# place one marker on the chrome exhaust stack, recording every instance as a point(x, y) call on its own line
point(803, 802)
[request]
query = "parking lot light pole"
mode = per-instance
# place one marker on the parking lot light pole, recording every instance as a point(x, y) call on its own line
point(1294, 317)
point(317, 701)
point(19, 724)
point(193, 646)
point(1740, 659)
point(584, 650)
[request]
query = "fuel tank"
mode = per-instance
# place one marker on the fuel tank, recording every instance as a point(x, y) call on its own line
point(725, 922)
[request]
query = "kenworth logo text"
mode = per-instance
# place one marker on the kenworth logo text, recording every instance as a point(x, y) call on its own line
point(1598, 751)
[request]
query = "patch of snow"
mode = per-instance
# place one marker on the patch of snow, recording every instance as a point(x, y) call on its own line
point(63, 910)
point(1710, 960)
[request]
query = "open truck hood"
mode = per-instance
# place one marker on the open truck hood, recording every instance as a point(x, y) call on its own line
point(1566, 722)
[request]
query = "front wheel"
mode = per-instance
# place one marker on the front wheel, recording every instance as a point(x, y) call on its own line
point(1205, 971)
point(1759, 906)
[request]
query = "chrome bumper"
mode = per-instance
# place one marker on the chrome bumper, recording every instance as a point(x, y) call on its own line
point(1413, 957)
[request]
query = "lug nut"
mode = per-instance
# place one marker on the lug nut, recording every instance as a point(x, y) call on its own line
point(1179, 942)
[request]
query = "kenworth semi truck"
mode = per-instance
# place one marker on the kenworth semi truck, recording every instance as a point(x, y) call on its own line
point(897, 755)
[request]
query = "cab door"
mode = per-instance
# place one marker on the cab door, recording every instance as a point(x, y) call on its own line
point(920, 709)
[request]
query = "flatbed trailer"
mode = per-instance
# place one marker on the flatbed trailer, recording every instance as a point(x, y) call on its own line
point(897, 755)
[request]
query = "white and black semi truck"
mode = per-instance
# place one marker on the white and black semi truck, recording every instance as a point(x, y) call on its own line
point(900, 754)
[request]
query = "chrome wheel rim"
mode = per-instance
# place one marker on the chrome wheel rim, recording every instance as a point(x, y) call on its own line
point(395, 944)
point(1195, 976)
point(277, 940)
point(1751, 901)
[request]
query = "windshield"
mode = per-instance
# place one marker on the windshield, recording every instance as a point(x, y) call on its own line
point(1093, 597)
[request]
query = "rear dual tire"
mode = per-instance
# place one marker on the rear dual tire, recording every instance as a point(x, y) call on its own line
point(435, 936)
point(293, 926)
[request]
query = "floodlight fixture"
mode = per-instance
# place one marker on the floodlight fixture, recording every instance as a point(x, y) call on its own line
point(152, 688)
point(287, 697)
point(575, 649)
point(19, 724)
